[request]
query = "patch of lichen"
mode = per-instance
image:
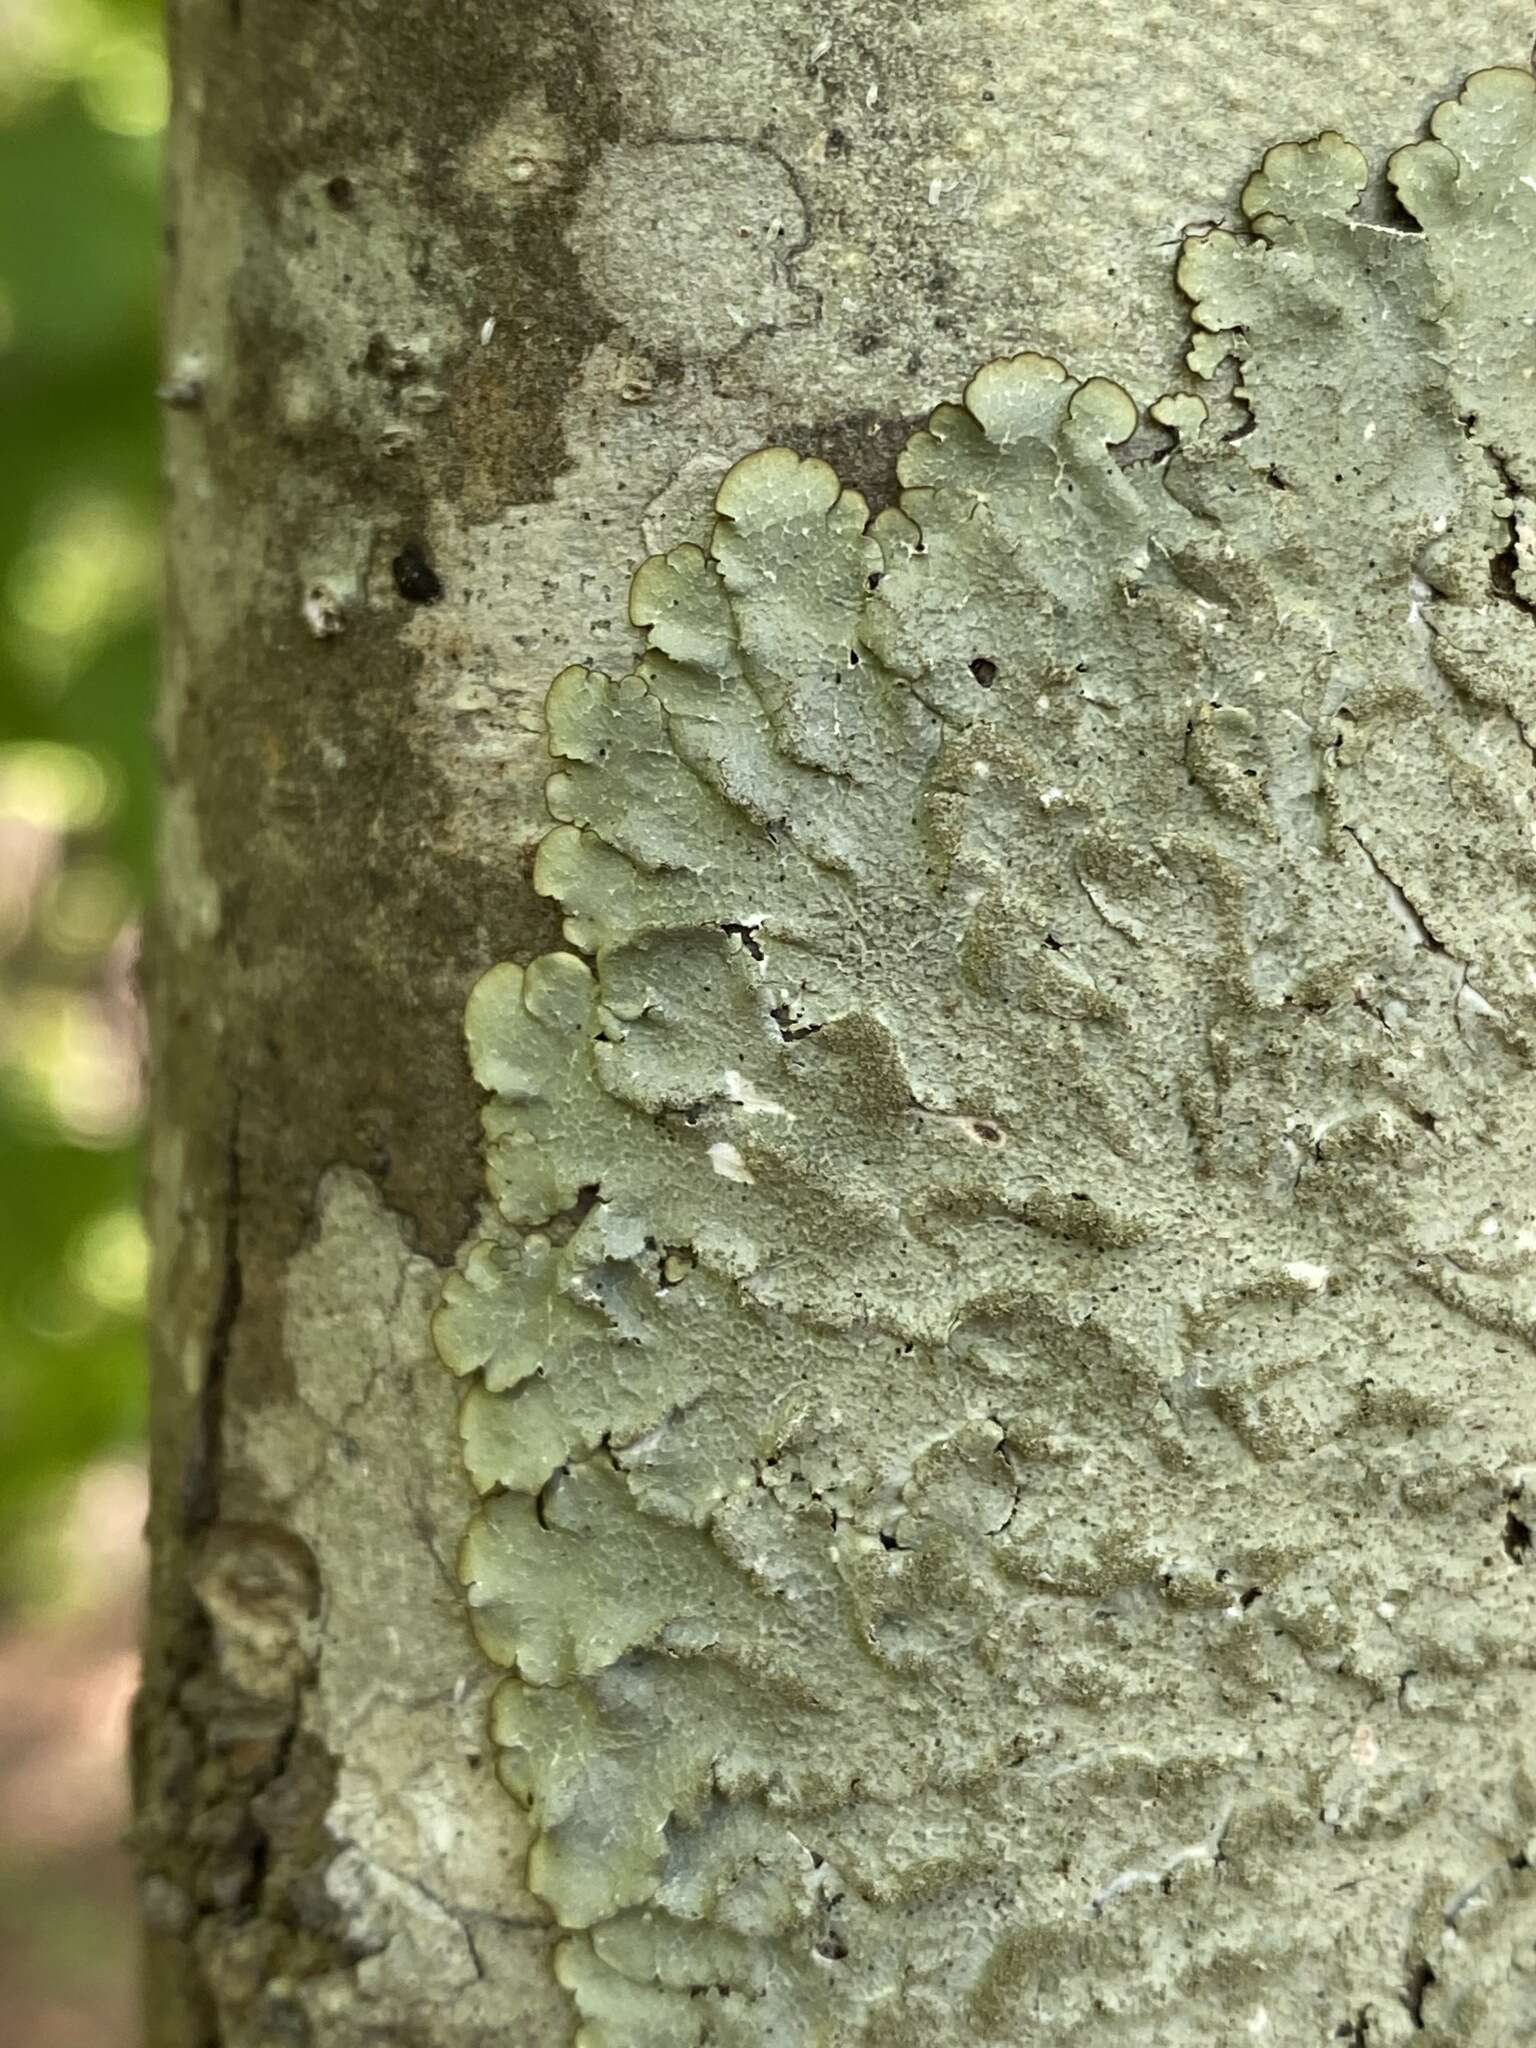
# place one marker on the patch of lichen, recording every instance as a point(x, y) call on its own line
point(1005, 1328)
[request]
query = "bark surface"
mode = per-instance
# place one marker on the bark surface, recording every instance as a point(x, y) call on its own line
point(470, 307)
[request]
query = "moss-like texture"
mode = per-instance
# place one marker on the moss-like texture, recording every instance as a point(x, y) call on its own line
point(1000, 1360)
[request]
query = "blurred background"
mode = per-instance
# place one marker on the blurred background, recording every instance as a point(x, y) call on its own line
point(82, 105)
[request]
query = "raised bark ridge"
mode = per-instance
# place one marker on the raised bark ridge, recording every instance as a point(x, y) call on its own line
point(1000, 1356)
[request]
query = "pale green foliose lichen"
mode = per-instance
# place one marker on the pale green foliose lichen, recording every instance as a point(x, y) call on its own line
point(1000, 1368)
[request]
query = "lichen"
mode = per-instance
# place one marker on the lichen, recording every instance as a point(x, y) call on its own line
point(1000, 1350)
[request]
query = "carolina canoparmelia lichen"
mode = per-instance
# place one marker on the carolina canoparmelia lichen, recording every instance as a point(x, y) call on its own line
point(1000, 1365)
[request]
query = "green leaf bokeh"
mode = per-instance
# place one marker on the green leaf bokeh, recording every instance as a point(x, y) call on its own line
point(81, 108)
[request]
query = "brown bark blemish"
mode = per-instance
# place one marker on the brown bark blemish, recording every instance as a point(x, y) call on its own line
point(862, 447)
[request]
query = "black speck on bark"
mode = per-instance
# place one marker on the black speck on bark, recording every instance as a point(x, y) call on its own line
point(415, 578)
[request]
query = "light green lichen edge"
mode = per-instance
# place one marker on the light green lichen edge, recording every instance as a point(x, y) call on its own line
point(1000, 1359)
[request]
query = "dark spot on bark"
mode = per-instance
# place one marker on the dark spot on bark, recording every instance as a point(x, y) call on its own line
point(747, 933)
point(1517, 1538)
point(561, 1228)
point(1382, 204)
point(984, 671)
point(1503, 570)
point(382, 359)
point(787, 1026)
point(1150, 443)
point(415, 578)
point(1420, 1978)
point(341, 192)
point(863, 447)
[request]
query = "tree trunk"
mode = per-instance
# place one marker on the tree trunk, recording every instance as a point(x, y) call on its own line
point(471, 307)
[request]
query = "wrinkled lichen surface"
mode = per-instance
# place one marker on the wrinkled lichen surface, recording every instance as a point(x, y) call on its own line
point(999, 1356)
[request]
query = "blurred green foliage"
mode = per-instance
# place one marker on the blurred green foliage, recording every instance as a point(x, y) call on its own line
point(82, 102)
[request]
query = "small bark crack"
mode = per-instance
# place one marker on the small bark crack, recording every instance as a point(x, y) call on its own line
point(1420, 1978)
point(204, 1471)
point(1404, 908)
